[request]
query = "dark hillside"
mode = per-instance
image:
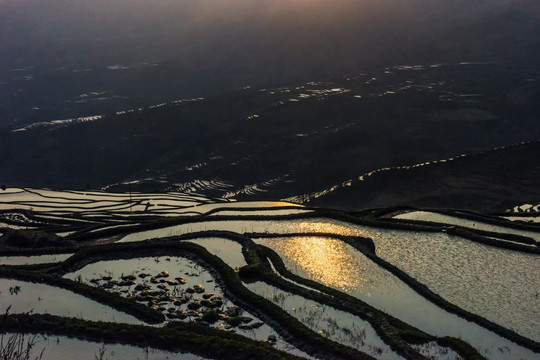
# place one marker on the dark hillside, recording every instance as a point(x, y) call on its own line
point(492, 181)
point(63, 59)
point(286, 141)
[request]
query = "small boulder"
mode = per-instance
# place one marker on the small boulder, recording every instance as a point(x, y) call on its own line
point(199, 289)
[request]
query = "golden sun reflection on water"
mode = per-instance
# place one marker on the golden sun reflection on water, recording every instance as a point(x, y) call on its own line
point(325, 227)
point(325, 260)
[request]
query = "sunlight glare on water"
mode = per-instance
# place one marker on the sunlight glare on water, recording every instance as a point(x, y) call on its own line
point(322, 226)
point(386, 292)
point(325, 260)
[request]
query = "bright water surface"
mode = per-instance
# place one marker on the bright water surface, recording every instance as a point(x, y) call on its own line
point(28, 260)
point(473, 224)
point(411, 307)
point(337, 325)
point(62, 347)
point(190, 271)
point(379, 288)
point(498, 284)
point(227, 250)
point(45, 299)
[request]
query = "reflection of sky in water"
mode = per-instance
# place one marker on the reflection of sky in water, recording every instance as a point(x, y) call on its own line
point(227, 250)
point(386, 292)
point(319, 226)
point(474, 224)
point(351, 331)
point(45, 299)
point(243, 226)
point(189, 270)
point(324, 260)
point(532, 219)
point(38, 259)
point(95, 203)
point(261, 212)
point(61, 347)
point(498, 284)
point(430, 257)
point(153, 265)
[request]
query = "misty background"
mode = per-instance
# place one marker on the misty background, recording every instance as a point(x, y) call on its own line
point(178, 48)
point(182, 95)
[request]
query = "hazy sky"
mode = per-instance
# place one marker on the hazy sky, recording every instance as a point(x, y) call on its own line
point(155, 30)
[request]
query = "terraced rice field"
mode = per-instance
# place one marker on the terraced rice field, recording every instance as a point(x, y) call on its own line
point(268, 278)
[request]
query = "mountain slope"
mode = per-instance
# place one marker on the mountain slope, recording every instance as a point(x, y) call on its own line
point(491, 181)
point(281, 142)
point(135, 53)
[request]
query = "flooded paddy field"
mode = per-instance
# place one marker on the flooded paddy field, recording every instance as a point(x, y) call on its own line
point(227, 250)
point(62, 347)
point(181, 292)
point(23, 296)
point(97, 203)
point(434, 351)
point(525, 219)
point(498, 284)
point(29, 260)
point(337, 325)
point(185, 292)
point(468, 223)
point(341, 286)
point(360, 277)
